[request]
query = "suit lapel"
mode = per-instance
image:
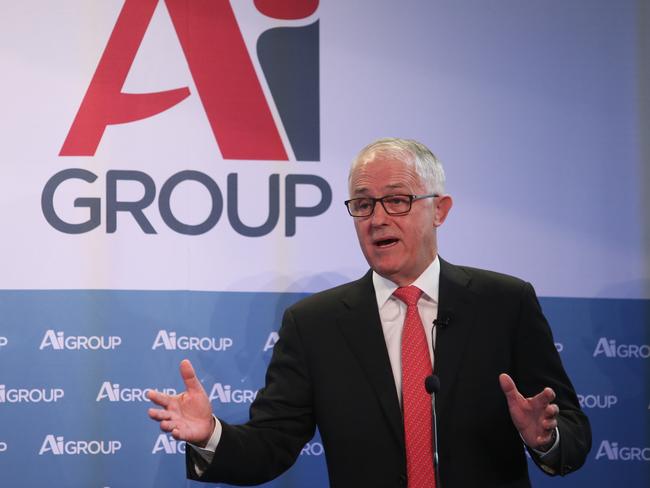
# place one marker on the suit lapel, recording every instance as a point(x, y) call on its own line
point(456, 300)
point(361, 326)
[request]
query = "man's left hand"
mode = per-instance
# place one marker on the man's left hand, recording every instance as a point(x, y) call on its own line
point(535, 417)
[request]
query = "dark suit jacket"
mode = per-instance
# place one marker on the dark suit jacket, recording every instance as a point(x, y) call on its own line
point(330, 369)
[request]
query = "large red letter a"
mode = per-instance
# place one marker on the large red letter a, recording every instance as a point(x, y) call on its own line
point(104, 103)
point(221, 67)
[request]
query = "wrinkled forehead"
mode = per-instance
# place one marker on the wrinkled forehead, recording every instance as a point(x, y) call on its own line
point(378, 153)
point(383, 172)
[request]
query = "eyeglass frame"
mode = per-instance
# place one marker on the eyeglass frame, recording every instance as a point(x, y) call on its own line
point(412, 198)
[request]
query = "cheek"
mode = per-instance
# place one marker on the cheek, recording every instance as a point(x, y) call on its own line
point(418, 237)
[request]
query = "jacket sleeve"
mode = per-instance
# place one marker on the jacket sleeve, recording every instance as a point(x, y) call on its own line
point(281, 420)
point(539, 365)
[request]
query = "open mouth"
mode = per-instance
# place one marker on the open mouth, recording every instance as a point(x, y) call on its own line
point(383, 243)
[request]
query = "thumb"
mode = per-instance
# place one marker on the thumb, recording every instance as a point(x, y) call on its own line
point(192, 383)
point(508, 387)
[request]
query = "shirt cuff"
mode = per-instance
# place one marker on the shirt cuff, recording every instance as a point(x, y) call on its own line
point(549, 461)
point(206, 454)
point(542, 454)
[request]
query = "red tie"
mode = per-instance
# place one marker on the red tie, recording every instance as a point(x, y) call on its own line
point(416, 366)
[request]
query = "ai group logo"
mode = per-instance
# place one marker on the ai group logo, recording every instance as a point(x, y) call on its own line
point(611, 451)
point(228, 394)
point(597, 401)
point(270, 341)
point(3, 447)
point(168, 445)
point(112, 392)
point(3, 341)
point(610, 349)
point(312, 449)
point(239, 112)
point(228, 85)
point(170, 341)
point(58, 446)
point(58, 341)
point(30, 395)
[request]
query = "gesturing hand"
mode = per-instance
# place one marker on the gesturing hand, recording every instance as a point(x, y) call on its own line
point(188, 416)
point(535, 417)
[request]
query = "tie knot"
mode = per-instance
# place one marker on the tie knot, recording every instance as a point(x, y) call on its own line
point(408, 294)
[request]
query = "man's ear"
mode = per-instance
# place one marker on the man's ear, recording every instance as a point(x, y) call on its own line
point(442, 206)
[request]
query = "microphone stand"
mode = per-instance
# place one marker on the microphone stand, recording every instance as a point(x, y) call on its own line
point(432, 386)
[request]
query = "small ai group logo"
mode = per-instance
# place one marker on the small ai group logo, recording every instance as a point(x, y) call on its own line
point(30, 395)
point(58, 341)
point(59, 446)
point(170, 341)
point(113, 392)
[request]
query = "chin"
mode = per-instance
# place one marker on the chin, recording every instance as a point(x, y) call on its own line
point(386, 271)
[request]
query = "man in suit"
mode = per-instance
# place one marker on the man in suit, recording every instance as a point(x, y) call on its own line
point(345, 362)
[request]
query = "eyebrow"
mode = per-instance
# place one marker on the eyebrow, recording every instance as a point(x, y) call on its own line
point(364, 190)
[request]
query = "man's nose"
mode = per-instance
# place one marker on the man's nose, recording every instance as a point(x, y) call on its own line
point(379, 215)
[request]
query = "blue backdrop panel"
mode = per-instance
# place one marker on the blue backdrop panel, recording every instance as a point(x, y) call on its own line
point(605, 347)
point(76, 411)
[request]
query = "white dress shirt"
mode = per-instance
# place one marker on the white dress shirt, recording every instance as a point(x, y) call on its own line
point(392, 312)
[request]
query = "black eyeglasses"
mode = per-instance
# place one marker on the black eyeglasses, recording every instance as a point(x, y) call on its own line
point(393, 204)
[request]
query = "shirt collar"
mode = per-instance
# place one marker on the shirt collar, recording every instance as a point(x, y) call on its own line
point(428, 282)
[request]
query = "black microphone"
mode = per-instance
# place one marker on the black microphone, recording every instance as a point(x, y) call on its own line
point(432, 384)
point(443, 319)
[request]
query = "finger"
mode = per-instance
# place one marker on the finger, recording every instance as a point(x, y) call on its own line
point(158, 398)
point(508, 387)
point(192, 383)
point(551, 411)
point(158, 414)
point(548, 393)
point(544, 439)
point(169, 425)
point(173, 429)
point(544, 398)
point(549, 424)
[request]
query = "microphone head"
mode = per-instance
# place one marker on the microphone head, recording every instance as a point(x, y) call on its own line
point(444, 318)
point(432, 384)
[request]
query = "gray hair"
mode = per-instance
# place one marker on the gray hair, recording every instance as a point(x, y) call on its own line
point(427, 166)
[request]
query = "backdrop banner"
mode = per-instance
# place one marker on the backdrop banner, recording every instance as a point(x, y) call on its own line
point(173, 177)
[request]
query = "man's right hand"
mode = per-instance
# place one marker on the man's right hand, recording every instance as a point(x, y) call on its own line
point(188, 416)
